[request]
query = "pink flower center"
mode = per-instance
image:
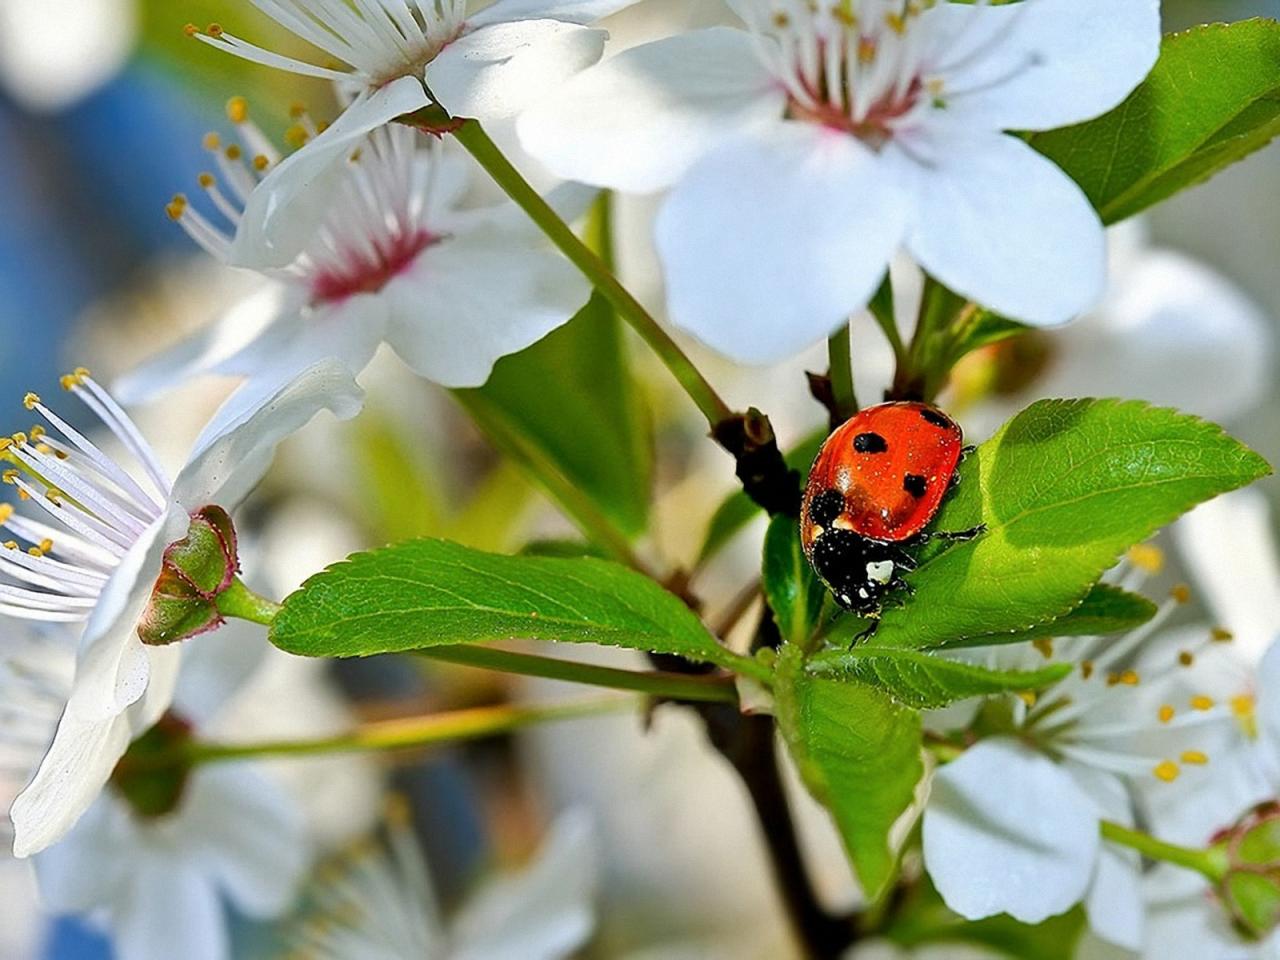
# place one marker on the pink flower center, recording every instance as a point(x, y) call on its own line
point(368, 271)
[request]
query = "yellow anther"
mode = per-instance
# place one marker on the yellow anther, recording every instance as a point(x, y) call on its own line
point(1194, 757)
point(30, 400)
point(175, 208)
point(191, 30)
point(1186, 658)
point(1166, 713)
point(1130, 678)
point(1113, 679)
point(1221, 635)
point(23, 495)
point(297, 110)
point(1167, 771)
point(214, 30)
point(79, 375)
point(896, 22)
point(237, 109)
point(46, 545)
point(6, 511)
point(1201, 702)
point(19, 438)
point(206, 180)
point(1146, 557)
point(54, 496)
point(35, 551)
point(11, 544)
point(1028, 697)
point(81, 372)
point(866, 50)
point(10, 476)
point(1045, 646)
point(37, 432)
point(322, 126)
point(261, 162)
point(5, 443)
point(296, 135)
point(1086, 668)
point(233, 151)
point(1242, 705)
point(1181, 593)
point(46, 450)
point(212, 141)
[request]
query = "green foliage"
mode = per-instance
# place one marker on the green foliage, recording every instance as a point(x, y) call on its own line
point(1104, 610)
point(1063, 488)
point(924, 680)
point(428, 593)
point(1212, 99)
point(737, 510)
point(858, 751)
point(569, 410)
point(794, 593)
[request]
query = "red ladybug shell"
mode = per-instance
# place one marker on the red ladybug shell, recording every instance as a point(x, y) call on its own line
point(893, 464)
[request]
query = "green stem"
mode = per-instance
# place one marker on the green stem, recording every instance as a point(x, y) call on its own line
point(1212, 862)
point(241, 603)
point(883, 309)
point(472, 136)
point(413, 731)
point(672, 686)
point(840, 372)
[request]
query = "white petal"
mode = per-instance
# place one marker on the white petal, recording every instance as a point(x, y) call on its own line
point(1186, 922)
point(287, 207)
point(251, 837)
point(1269, 694)
point(999, 223)
point(543, 913)
point(638, 121)
point(73, 773)
point(477, 297)
point(85, 869)
point(215, 668)
point(204, 352)
point(1007, 831)
point(1231, 550)
point(171, 910)
point(1047, 64)
point(231, 457)
point(1114, 904)
point(499, 70)
point(1172, 332)
point(773, 240)
point(570, 11)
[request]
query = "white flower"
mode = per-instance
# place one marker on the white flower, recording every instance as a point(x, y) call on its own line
point(1170, 330)
point(395, 259)
point(158, 881)
point(1013, 825)
point(806, 149)
point(379, 905)
point(55, 52)
point(401, 56)
point(97, 558)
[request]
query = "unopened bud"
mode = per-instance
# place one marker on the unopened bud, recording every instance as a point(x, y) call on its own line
point(197, 570)
point(1250, 888)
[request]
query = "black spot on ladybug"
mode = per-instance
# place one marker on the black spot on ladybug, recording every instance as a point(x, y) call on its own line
point(826, 506)
point(870, 443)
point(915, 485)
point(934, 417)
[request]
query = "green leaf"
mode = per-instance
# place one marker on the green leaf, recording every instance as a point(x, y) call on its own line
point(1063, 488)
point(569, 405)
point(1104, 610)
point(428, 593)
point(737, 510)
point(923, 919)
point(1212, 99)
point(925, 681)
point(859, 754)
point(794, 593)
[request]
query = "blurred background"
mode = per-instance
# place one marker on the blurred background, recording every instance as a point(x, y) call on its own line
point(103, 106)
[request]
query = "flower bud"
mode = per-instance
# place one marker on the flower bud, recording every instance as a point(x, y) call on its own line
point(1250, 888)
point(152, 775)
point(196, 571)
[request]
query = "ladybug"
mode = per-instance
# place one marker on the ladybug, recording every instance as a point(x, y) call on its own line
point(877, 482)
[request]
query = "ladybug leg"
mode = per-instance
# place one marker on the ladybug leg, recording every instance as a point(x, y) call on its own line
point(958, 536)
point(904, 560)
point(866, 634)
point(966, 450)
point(901, 587)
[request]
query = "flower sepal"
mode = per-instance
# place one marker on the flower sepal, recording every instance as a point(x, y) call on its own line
point(1250, 886)
point(197, 570)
